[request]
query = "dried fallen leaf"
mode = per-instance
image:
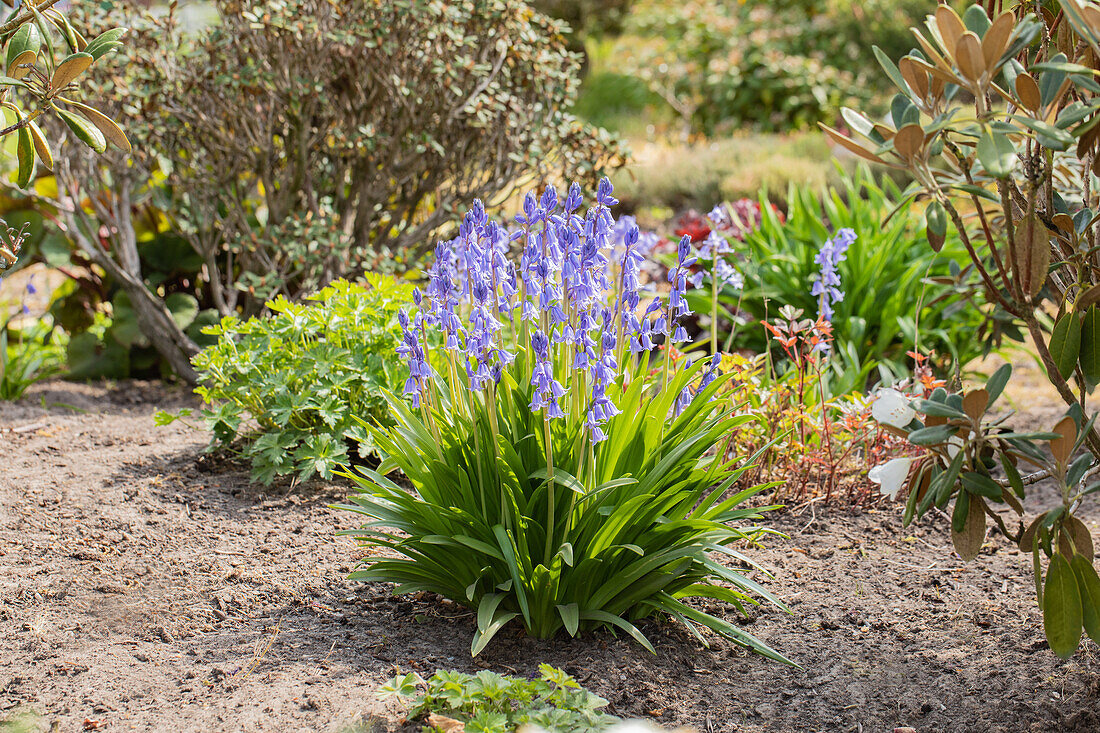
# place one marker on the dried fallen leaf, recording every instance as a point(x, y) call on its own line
point(445, 724)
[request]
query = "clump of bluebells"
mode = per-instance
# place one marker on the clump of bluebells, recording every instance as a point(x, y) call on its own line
point(561, 458)
point(571, 304)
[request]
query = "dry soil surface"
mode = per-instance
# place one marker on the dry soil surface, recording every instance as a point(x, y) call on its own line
point(146, 586)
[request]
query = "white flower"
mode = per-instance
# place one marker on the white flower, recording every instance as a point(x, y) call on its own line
point(955, 444)
point(890, 476)
point(892, 408)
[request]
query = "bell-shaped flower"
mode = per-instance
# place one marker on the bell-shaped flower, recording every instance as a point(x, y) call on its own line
point(890, 476)
point(892, 408)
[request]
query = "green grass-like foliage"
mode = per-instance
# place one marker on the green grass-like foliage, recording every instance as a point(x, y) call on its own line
point(295, 381)
point(491, 703)
point(898, 291)
point(26, 360)
point(632, 524)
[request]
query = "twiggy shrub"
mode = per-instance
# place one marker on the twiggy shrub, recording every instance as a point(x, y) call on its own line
point(371, 122)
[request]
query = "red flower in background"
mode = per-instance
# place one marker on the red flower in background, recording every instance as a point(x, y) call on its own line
point(692, 224)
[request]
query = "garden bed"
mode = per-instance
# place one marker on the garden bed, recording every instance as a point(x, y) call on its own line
point(143, 586)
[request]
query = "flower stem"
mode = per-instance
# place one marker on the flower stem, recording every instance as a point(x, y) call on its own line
point(828, 435)
point(713, 311)
point(550, 493)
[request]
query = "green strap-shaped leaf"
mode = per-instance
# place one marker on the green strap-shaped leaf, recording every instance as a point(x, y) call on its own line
point(890, 68)
point(1062, 610)
point(482, 637)
point(976, 19)
point(487, 609)
point(570, 616)
point(610, 618)
point(1046, 134)
point(1013, 475)
point(7, 81)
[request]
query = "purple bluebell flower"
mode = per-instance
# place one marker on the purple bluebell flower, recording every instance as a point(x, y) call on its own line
point(476, 216)
point(603, 375)
point(684, 398)
point(497, 268)
point(532, 214)
point(482, 258)
point(412, 349)
point(677, 304)
point(604, 201)
point(629, 299)
point(726, 274)
point(658, 325)
point(541, 256)
point(582, 340)
point(562, 285)
point(710, 374)
point(481, 347)
point(719, 217)
point(827, 286)
point(574, 198)
point(444, 294)
point(530, 256)
point(549, 201)
point(688, 394)
point(547, 389)
point(603, 193)
point(584, 266)
point(31, 289)
point(715, 244)
point(644, 340)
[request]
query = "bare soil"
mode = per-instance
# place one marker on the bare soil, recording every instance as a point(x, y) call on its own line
point(145, 585)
